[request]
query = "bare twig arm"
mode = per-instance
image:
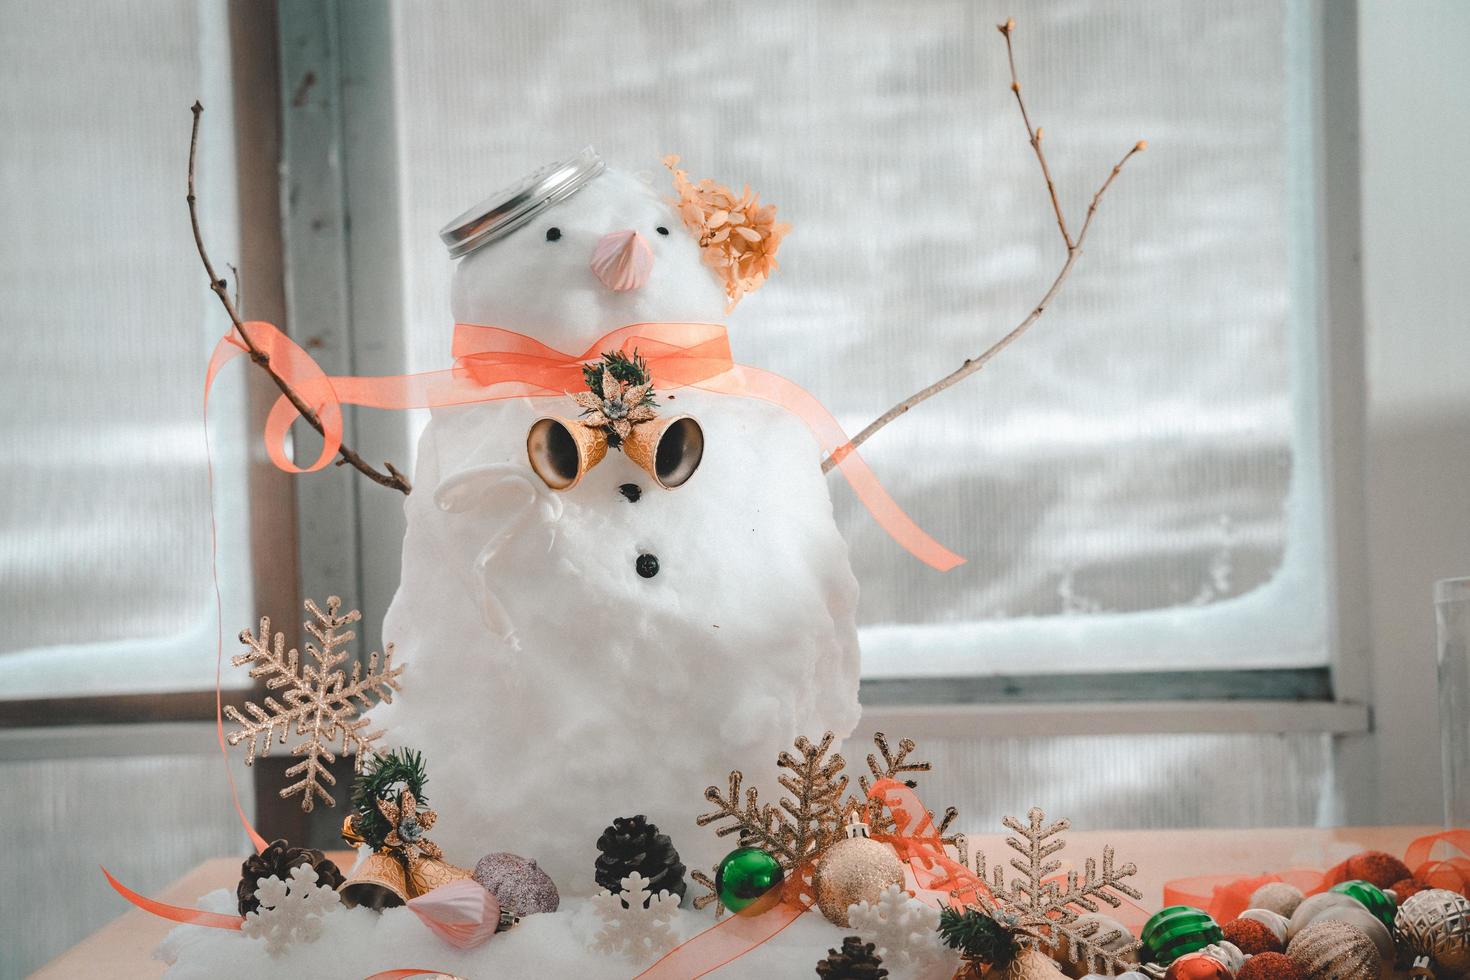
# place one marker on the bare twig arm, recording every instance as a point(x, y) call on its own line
point(1034, 133)
point(393, 479)
point(1074, 249)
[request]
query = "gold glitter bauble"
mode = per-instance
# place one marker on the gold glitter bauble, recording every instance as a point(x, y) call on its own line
point(1331, 950)
point(853, 870)
point(1436, 923)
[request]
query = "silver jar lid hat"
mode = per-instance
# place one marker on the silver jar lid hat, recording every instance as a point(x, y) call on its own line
point(504, 212)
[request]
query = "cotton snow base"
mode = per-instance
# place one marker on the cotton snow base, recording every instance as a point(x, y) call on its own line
point(357, 943)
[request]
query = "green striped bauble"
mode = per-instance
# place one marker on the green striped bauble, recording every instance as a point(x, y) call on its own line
point(1179, 929)
point(1372, 898)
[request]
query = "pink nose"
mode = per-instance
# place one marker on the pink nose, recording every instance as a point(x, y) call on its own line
point(622, 260)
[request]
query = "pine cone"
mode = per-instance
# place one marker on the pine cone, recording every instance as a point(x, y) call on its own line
point(278, 859)
point(857, 961)
point(633, 844)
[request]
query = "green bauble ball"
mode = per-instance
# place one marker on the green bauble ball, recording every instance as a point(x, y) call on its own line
point(1372, 898)
point(748, 880)
point(1179, 929)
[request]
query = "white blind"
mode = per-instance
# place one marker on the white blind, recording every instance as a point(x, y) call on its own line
point(1129, 465)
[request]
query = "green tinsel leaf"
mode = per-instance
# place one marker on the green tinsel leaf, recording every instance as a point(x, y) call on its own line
point(629, 370)
point(976, 935)
point(380, 781)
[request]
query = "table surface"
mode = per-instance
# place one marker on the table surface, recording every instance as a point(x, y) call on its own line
point(126, 944)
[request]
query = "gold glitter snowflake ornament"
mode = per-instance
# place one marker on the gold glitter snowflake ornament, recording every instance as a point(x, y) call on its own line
point(804, 824)
point(1040, 908)
point(320, 701)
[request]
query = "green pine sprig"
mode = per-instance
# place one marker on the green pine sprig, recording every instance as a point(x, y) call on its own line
point(381, 780)
point(976, 935)
point(630, 371)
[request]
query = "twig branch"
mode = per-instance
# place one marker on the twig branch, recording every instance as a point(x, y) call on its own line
point(1074, 249)
point(1033, 133)
point(236, 273)
point(393, 479)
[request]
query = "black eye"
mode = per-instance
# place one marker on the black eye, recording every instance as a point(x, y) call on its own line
point(661, 230)
point(552, 234)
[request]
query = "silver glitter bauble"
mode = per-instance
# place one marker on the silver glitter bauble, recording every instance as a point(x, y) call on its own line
point(1435, 923)
point(1277, 896)
point(1359, 918)
point(520, 885)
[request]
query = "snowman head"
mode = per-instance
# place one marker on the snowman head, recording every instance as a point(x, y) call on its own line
point(567, 260)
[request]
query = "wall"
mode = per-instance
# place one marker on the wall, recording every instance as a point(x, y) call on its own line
point(1416, 255)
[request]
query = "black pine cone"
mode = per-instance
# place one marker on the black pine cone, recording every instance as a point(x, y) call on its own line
point(633, 844)
point(278, 859)
point(856, 961)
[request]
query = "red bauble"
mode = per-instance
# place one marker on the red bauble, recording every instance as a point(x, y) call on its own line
point(1270, 966)
point(1377, 868)
point(1403, 889)
point(1252, 937)
point(1197, 966)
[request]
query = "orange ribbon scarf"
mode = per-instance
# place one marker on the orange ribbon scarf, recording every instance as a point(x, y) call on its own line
point(492, 363)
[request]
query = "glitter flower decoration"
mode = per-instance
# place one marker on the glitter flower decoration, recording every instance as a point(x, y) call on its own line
point(619, 395)
point(739, 236)
point(409, 824)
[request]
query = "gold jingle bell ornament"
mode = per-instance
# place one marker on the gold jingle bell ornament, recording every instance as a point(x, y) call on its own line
point(406, 866)
point(855, 869)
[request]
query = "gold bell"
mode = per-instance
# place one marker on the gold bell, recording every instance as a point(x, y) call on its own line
point(380, 883)
point(669, 450)
point(562, 451)
point(428, 874)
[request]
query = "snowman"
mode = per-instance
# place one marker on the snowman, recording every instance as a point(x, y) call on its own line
point(599, 624)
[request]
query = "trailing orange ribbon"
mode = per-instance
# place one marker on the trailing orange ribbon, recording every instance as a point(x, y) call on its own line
point(176, 913)
point(1224, 897)
point(918, 844)
point(492, 363)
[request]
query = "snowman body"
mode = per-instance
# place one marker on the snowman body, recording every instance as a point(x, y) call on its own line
point(552, 683)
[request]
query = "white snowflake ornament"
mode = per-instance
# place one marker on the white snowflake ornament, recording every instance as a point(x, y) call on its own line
point(906, 934)
point(635, 923)
point(290, 912)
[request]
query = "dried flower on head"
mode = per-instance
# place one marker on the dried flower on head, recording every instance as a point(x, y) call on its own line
point(738, 234)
